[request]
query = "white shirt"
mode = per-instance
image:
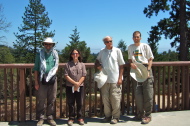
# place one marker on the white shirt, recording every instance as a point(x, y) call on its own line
point(142, 53)
point(111, 60)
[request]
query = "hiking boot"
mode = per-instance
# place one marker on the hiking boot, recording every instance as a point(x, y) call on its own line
point(81, 122)
point(40, 122)
point(114, 121)
point(139, 117)
point(146, 120)
point(106, 119)
point(51, 122)
point(70, 122)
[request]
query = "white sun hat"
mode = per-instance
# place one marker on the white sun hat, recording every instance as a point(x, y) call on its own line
point(48, 40)
point(140, 74)
point(100, 78)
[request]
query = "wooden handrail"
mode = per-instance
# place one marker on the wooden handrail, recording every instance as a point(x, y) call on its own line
point(30, 65)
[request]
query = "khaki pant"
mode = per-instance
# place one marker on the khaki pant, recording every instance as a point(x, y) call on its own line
point(144, 96)
point(46, 92)
point(111, 97)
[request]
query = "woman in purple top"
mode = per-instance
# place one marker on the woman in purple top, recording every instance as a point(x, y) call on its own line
point(75, 72)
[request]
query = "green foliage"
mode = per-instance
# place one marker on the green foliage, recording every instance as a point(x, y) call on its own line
point(167, 56)
point(5, 55)
point(33, 31)
point(169, 27)
point(122, 45)
point(75, 43)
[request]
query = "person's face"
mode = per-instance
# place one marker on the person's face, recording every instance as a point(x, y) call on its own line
point(47, 45)
point(108, 43)
point(75, 55)
point(136, 38)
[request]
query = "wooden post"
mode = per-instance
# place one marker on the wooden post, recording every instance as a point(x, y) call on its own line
point(22, 94)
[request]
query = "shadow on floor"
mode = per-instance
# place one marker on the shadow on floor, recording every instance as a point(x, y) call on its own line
point(123, 119)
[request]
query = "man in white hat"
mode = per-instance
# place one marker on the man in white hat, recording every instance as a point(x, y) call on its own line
point(111, 60)
point(45, 68)
point(140, 58)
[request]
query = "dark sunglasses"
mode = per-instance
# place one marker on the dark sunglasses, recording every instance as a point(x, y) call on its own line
point(47, 44)
point(108, 41)
point(75, 53)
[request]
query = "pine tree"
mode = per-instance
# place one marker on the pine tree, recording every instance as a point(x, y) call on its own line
point(175, 27)
point(122, 45)
point(33, 31)
point(75, 43)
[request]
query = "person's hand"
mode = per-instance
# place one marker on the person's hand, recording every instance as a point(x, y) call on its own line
point(133, 66)
point(37, 86)
point(76, 87)
point(77, 84)
point(148, 74)
point(119, 82)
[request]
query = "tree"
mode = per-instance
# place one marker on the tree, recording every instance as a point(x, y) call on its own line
point(5, 55)
point(122, 45)
point(167, 56)
point(75, 43)
point(33, 31)
point(4, 25)
point(175, 27)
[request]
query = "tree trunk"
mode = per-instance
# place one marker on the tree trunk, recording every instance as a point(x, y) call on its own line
point(183, 31)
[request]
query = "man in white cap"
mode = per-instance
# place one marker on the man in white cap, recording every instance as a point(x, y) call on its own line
point(110, 59)
point(45, 68)
point(140, 55)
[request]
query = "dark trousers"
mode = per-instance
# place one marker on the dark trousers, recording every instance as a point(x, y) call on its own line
point(46, 92)
point(71, 99)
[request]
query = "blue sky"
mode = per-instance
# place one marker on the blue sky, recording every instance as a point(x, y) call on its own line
point(94, 20)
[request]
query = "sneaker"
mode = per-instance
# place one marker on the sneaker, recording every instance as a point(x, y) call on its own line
point(106, 119)
point(114, 121)
point(51, 122)
point(146, 120)
point(81, 122)
point(40, 122)
point(70, 122)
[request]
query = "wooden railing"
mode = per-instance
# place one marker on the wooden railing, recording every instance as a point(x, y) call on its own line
point(18, 101)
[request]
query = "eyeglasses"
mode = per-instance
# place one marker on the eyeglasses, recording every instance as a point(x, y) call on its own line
point(47, 44)
point(108, 41)
point(75, 53)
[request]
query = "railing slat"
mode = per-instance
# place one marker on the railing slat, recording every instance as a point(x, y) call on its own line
point(11, 76)
point(18, 95)
point(22, 95)
point(30, 93)
point(183, 87)
point(5, 93)
point(168, 92)
point(178, 87)
point(163, 88)
point(173, 88)
point(187, 86)
point(158, 88)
